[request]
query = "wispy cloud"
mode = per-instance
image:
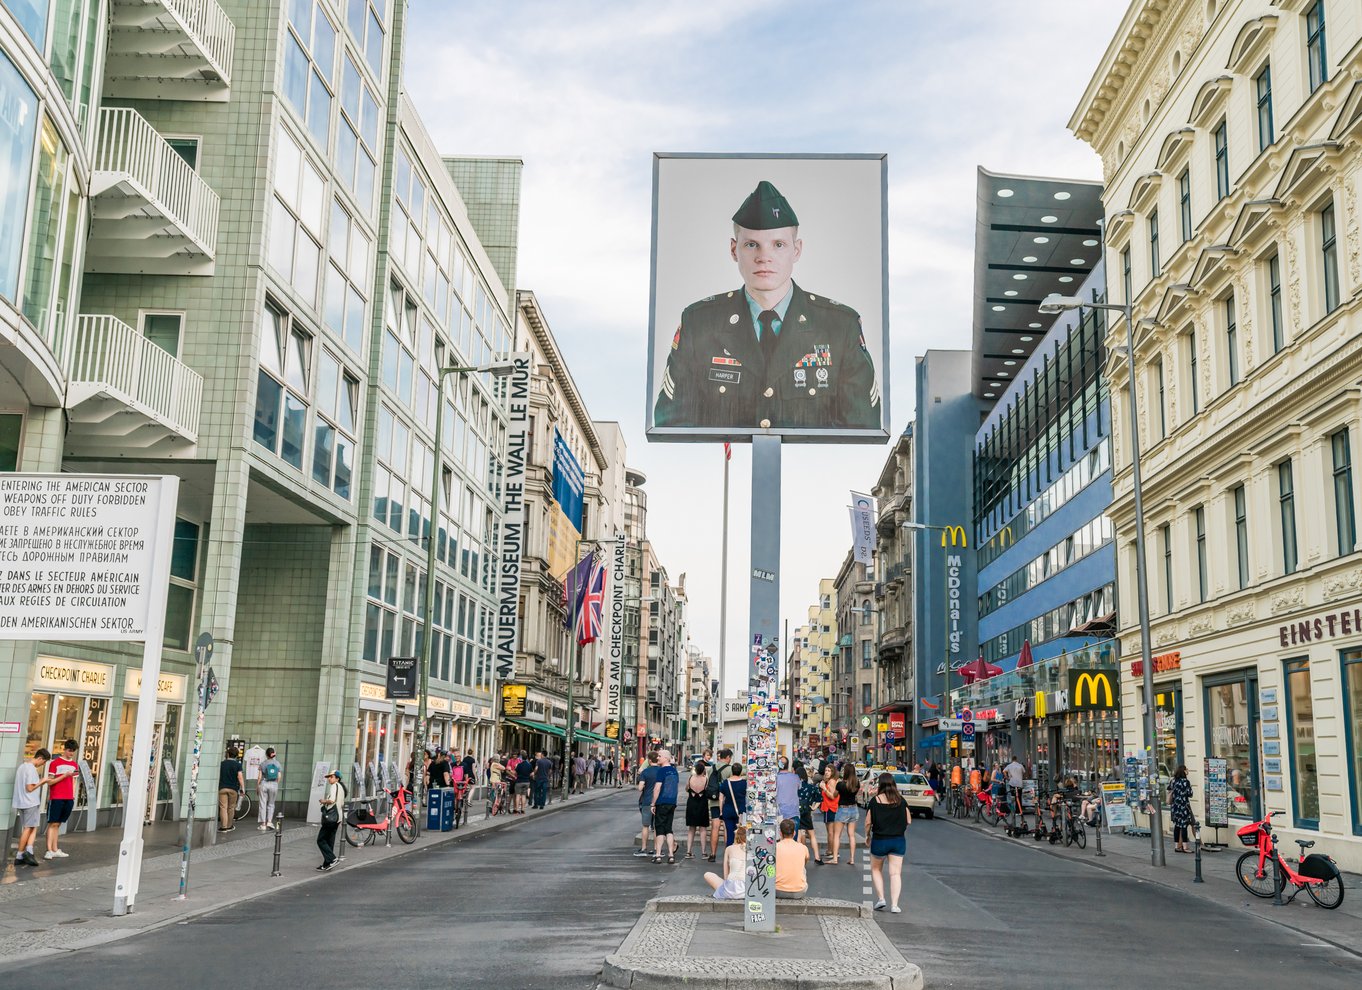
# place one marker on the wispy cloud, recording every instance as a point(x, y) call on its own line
point(586, 92)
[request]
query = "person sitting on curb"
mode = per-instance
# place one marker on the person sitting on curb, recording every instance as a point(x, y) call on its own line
point(732, 885)
point(792, 858)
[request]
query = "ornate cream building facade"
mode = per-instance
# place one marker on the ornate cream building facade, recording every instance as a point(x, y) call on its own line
point(1229, 136)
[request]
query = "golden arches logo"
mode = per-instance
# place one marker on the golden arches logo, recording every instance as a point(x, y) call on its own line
point(954, 533)
point(1004, 537)
point(1097, 686)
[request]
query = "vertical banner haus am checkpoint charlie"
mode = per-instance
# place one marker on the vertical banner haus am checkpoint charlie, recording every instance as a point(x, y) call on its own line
point(770, 300)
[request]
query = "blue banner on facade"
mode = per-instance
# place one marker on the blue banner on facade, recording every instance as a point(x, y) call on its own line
point(568, 481)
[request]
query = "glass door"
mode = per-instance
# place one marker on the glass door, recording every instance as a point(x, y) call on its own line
point(1231, 720)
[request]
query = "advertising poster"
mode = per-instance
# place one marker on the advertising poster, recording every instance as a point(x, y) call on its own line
point(769, 298)
point(1116, 810)
point(1217, 792)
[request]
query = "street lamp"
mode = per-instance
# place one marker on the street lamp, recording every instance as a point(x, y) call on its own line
point(499, 369)
point(1051, 305)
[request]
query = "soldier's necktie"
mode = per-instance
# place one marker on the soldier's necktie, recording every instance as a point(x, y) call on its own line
point(768, 334)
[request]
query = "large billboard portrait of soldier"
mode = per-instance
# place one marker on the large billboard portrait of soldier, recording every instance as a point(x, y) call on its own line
point(769, 298)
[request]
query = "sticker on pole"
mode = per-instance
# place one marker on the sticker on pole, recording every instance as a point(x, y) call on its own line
point(76, 555)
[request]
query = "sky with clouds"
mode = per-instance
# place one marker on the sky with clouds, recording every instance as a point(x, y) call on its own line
point(585, 92)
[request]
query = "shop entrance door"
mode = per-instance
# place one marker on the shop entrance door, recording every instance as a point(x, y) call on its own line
point(1231, 734)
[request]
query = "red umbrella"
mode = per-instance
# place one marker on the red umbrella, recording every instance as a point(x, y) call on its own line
point(1025, 659)
point(979, 670)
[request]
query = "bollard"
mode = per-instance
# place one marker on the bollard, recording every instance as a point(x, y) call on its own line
point(338, 843)
point(1098, 830)
point(278, 843)
point(1196, 877)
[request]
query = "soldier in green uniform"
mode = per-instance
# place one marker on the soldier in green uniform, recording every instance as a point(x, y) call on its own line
point(770, 354)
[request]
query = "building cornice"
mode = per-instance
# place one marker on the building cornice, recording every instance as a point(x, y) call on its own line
point(528, 305)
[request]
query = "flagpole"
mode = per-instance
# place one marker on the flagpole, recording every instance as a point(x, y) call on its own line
point(723, 594)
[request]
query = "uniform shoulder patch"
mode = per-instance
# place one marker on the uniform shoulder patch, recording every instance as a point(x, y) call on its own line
point(831, 305)
point(676, 338)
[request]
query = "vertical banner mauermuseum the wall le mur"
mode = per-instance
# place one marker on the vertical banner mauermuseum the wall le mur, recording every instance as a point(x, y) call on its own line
point(512, 546)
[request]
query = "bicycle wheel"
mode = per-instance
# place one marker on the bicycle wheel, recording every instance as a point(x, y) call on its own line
point(1247, 870)
point(990, 814)
point(243, 806)
point(357, 836)
point(1328, 894)
point(406, 829)
point(1080, 833)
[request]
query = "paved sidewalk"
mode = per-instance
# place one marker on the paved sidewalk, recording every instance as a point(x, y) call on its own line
point(55, 908)
point(1130, 856)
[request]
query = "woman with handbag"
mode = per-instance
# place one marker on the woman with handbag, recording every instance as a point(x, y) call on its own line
point(733, 801)
point(333, 805)
point(829, 808)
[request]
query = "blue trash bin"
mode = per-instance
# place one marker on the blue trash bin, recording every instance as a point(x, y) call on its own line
point(433, 804)
point(446, 809)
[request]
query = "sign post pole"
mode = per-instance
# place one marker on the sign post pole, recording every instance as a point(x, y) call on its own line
point(203, 649)
point(764, 703)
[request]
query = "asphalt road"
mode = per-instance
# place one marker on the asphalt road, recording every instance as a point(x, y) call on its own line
point(541, 903)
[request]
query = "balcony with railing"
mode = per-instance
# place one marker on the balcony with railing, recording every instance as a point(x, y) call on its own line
point(150, 212)
point(124, 391)
point(169, 50)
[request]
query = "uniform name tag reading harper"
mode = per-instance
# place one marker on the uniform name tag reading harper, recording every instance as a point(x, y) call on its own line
point(721, 375)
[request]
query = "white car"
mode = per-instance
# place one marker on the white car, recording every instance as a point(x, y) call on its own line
point(917, 792)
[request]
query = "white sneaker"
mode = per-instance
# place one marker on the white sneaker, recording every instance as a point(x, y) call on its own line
point(58, 853)
point(879, 905)
point(261, 828)
point(896, 910)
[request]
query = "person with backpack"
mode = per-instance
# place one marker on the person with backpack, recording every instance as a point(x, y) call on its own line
point(267, 790)
point(718, 773)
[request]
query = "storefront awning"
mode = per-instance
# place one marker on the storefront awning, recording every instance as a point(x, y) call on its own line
point(594, 736)
point(537, 727)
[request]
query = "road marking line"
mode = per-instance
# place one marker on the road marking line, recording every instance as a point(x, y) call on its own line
point(867, 890)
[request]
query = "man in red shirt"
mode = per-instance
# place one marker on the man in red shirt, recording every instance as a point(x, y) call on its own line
point(63, 796)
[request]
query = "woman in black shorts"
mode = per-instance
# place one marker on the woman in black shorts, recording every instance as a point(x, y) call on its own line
point(886, 822)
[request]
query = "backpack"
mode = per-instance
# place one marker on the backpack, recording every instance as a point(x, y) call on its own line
point(270, 771)
point(714, 784)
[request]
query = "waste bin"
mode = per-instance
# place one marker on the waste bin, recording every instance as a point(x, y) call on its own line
point(434, 802)
point(446, 809)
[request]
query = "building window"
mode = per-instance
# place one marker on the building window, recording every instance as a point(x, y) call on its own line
point(1161, 400)
point(866, 612)
point(1329, 256)
point(1300, 720)
point(1262, 85)
point(296, 211)
point(346, 276)
point(17, 141)
point(282, 386)
point(163, 330)
point(1316, 54)
point(866, 654)
point(11, 432)
point(1125, 272)
point(357, 140)
point(1241, 535)
point(1199, 518)
point(366, 24)
point(866, 703)
point(184, 576)
point(1192, 372)
point(1344, 519)
point(1286, 502)
point(310, 67)
point(333, 436)
point(1166, 531)
point(1351, 663)
point(1222, 161)
point(1231, 341)
point(1185, 204)
point(1274, 295)
point(1154, 267)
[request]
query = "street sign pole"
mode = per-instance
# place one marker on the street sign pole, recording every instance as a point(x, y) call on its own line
point(203, 649)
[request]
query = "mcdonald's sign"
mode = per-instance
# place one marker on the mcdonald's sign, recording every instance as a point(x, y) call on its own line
point(1094, 690)
point(954, 533)
point(1004, 537)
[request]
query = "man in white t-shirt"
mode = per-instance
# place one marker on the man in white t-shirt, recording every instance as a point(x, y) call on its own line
point(1015, 774)
point(28, 798)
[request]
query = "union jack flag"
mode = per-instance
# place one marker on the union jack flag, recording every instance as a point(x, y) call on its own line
point(586, 584)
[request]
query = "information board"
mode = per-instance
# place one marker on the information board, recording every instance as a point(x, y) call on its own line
point(1217, 792)
point(1116, 810)
point(77, 555)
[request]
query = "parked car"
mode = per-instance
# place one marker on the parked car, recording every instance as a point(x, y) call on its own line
point(917, 792)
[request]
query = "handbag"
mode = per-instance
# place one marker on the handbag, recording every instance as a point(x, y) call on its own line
point(330, 816)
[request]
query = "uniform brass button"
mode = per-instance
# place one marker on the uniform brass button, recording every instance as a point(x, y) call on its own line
point(769, 392)
point(765, 424)
point(813, 391)
point(723, 388)
point(733, 318)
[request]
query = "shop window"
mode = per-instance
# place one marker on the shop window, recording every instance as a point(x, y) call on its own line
point(1300, 720)
point(11, 432)
point(1351, 663)
point(1231, 735)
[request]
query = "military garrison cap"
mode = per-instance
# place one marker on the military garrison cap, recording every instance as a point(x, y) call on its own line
point(765, 209)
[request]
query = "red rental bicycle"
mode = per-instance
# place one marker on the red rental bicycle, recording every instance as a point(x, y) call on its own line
point(361, 827)
point(1317, 876)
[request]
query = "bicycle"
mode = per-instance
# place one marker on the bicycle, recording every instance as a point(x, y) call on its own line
point(243, 806)
point(1318, 876)
point(461, 803)
point(957, 801)
point(1073, 829)
point(361, 827)
point(498, 800)
point(989, 808)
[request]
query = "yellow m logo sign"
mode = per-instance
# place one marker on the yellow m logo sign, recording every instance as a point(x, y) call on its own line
point(954, 533)
point(1092, 689)
point(1004, 537)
